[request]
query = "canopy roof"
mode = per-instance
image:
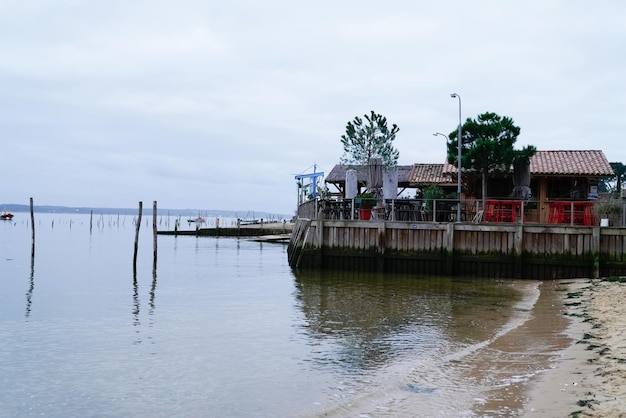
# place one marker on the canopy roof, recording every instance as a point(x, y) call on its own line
point(409, 176)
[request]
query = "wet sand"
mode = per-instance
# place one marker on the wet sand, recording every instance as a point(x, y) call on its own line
point(508, 367)
point(589, 377)
point(568, 359)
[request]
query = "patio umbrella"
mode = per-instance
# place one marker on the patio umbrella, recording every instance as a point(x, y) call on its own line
point(390, 183)
point(351, 184)
point(521, 181)
point(375, 175)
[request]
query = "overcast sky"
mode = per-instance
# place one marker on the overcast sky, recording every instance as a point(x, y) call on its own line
point(217, 105)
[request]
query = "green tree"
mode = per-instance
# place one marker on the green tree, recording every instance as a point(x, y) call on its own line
point(614, 184)
point(522, 157)
point(369, 138)
point(487, 146)
point(620, 175)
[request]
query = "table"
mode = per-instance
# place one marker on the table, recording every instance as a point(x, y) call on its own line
point(502, 210)
point(572, 212)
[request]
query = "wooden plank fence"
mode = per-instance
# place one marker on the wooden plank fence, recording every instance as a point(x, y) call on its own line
point(485, 250)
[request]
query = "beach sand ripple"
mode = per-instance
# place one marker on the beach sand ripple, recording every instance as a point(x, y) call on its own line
point(590, 377)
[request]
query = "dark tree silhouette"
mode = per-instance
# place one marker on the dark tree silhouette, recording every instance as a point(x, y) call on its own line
point(488, 146)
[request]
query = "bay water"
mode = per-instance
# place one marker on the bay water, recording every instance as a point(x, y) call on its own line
point(223, 327)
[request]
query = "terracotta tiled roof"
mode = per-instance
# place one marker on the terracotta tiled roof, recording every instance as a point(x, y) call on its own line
point(584, 162)
point(449, 169)
point(430, 174)
point(557, 163)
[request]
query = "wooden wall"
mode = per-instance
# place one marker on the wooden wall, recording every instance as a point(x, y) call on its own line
point(514, 250)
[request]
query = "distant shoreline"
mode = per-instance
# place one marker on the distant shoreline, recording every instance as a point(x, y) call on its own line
point(147, 210)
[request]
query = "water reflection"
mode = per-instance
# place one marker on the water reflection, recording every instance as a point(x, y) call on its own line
point(31, 282)
point(482, 307)
point(136, 302)
point(153, 289)
point(136, 310)
point(360, 321)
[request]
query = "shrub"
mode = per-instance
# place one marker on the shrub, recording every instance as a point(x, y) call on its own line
point(607, 207)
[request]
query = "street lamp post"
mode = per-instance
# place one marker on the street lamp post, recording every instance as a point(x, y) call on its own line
point(458, 176)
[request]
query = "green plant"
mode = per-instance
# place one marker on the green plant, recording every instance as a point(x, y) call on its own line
point(365, 200)
point(608, 208)
point(614, 185)
point(431, 193)
point(529, 205)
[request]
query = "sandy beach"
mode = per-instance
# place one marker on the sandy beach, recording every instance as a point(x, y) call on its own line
point(589, 379)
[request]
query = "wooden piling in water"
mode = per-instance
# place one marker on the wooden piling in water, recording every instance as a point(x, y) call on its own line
point(154, 231)
point(32, 224)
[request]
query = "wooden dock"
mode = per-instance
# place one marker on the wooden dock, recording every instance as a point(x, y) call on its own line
point(460, 249)
point(278, 238)
point(269, 231)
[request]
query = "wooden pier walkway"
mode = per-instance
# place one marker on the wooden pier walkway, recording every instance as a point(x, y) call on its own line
point(531, 251)
point(269, 231)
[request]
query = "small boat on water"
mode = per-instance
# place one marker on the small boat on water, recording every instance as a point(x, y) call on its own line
point(6, 216)
point(248, 221)
point(198, 220)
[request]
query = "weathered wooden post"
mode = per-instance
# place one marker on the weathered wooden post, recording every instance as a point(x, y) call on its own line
point(154, 231)
point(32, 223)
point(518, 245)
point(90, 220)
point(381, 246)
point(319, 242)
point(595, 251)
point(305, 228)
point(450, 261)
point(137, 238)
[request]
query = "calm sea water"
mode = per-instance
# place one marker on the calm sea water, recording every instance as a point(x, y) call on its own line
point(224, 328)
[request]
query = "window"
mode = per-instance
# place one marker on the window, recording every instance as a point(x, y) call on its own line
point(566, 188)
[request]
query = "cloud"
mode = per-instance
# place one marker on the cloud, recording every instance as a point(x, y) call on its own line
point(206, 105)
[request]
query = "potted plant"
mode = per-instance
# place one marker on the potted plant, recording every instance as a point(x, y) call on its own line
point(432, 193)
point(365, 202)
